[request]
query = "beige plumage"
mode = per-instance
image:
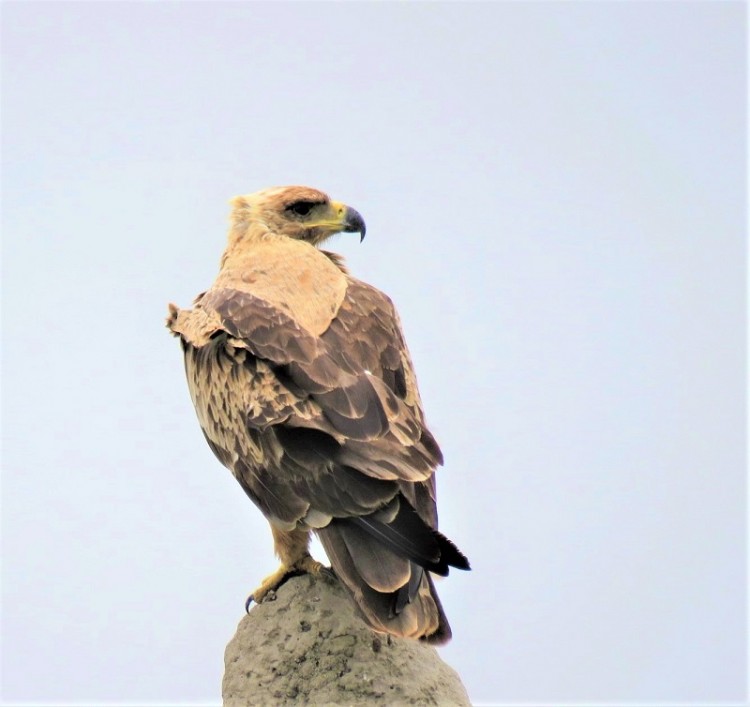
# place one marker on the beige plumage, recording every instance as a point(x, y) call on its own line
point(304, 389)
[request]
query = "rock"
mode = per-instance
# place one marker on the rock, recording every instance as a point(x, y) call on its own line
point(305, 645)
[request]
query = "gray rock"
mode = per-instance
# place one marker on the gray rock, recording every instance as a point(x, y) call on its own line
point(305, 645)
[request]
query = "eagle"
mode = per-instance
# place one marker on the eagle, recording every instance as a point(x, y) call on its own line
point(304, 389)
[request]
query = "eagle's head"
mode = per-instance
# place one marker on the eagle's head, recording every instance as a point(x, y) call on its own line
point(301, 213)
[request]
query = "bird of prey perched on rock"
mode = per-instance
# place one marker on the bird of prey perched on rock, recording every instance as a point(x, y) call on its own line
point(304, 389)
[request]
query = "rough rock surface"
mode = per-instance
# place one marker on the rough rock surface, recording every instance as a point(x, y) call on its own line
point(305, 645)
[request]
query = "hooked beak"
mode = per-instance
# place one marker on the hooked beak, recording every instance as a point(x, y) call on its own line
point(354, 223)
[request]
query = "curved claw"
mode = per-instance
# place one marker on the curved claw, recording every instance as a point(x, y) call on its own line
point(328, 572)
point(282, 575)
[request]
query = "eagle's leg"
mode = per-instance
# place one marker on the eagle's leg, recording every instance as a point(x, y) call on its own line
point(291, 546)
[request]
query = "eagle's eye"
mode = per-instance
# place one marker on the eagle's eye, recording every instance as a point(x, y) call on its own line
point(301, 208)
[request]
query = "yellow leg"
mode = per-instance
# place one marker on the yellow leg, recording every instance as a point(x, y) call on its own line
point(291, 546)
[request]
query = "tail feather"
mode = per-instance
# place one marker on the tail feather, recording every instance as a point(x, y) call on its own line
point(443, 634)
point(378, 566)
point(386, 568)
point(408, 535)
point(405, 595)
point(421, 617)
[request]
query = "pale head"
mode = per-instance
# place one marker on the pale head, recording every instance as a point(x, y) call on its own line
point(297, 212)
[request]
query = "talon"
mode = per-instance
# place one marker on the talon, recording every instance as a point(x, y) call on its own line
point(305, 565)
point(310, 566)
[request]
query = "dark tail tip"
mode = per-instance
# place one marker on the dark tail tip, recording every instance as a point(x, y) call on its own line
point(450, 555)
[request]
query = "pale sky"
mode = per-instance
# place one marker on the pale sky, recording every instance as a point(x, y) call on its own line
point(555, 201)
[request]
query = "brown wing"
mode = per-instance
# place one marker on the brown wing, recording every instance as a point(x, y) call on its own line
point(357, 374)
point(332, 435)
point(366, 337)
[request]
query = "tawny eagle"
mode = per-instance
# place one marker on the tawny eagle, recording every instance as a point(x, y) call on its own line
point(304, 389)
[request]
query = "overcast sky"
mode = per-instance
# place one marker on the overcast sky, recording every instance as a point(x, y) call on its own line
point(555, 201)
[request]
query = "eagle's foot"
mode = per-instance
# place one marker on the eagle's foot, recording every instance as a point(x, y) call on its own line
point(310, 566)
point(305, 565)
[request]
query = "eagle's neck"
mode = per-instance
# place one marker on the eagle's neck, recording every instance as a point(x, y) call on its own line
point(337, 260)
point(244, 235)
point(292, 275)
